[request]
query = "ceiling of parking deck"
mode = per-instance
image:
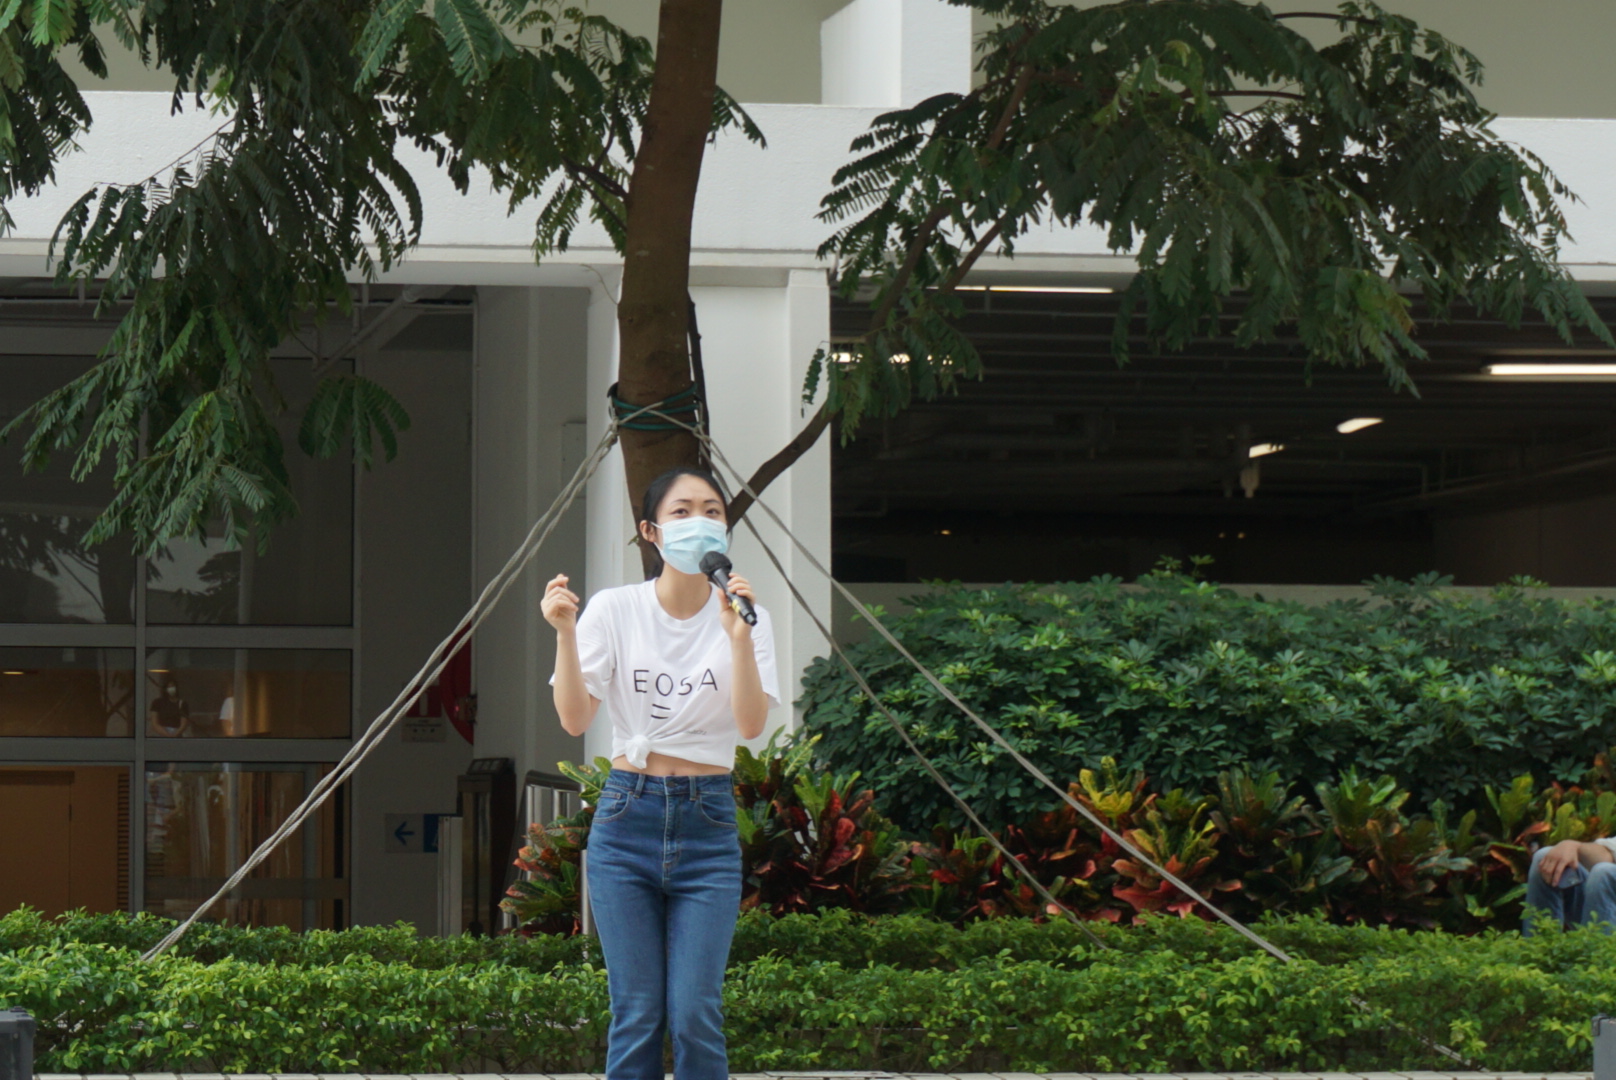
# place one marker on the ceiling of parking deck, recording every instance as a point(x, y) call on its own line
point(37, 315)
point(1056, 420)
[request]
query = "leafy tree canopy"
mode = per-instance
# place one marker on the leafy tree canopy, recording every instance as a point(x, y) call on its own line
point(1321, 186)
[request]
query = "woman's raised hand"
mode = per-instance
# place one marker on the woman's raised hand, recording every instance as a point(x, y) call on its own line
point(560, 604)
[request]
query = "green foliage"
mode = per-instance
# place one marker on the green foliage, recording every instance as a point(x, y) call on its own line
point(813, 841)
point(831, 991)
point(809, 842)
point(1264, 185)
point(41, 110)
point(1275, 845)
point(208, 942)
point(1447, 694)
point(351, 409)
point(1398, 863)
point(219, 257)
point(548, 900)
point(231, 1016)
point(1261, 182)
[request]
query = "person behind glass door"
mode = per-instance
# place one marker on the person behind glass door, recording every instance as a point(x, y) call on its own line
point(683, 678)
point(168, 713)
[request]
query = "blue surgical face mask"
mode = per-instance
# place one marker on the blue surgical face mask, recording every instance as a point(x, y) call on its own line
point(686, 540)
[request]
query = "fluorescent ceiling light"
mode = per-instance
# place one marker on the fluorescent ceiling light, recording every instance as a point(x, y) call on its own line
point(1552, 370)
point(844, 358)
point(1264, 449)
point(1092, 289)
point(1357, 423)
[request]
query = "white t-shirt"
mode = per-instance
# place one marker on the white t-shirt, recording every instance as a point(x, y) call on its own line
point(665, 682)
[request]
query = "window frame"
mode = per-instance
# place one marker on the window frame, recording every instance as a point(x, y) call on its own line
point(69, 342)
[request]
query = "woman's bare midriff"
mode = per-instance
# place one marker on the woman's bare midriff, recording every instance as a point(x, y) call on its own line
point(662, 765)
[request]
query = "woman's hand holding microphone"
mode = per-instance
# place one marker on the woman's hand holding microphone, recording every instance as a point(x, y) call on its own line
point(735, 626)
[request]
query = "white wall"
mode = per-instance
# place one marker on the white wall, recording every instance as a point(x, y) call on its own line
point(1542, 59)
point(414, 583)
point(755, 210)
point(894, 52)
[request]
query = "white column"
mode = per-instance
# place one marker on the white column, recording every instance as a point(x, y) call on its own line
point(894, 52)
point(609, 560)
point(808, 481)
point(531, 345)
point(757, 343)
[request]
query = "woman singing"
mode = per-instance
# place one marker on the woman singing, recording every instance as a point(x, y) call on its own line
point(683, 677)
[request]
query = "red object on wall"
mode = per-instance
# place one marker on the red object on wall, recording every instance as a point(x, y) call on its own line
point(454, 691)
point(450, 695)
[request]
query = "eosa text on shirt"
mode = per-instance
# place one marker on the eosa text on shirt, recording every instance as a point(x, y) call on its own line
point(665, 684)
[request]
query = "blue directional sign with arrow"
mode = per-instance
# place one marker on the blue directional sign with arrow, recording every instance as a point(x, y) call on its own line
point(412, 834)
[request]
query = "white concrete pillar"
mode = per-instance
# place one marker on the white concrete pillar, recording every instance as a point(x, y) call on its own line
point(757, 343)
point(530, 409)
point(893, 53)
point(610, 561)
point(808, 481)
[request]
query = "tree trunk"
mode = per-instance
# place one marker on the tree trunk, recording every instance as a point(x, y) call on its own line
point(653, 312)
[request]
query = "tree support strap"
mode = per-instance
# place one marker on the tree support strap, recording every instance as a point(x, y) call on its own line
point(658, 415)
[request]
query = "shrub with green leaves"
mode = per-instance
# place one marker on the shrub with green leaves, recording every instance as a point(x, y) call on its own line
point(207, 942)
point(1446, 693)
point(838, 990)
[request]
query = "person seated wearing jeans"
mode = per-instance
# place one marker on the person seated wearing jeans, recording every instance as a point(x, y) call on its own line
point(1574, 883)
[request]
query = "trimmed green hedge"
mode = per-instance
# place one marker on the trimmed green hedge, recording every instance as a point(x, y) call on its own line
point(835, 991)
point(1184, 680)
point(211, 942)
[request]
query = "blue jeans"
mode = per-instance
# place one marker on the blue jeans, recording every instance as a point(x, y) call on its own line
point(665, 885)
point(1583, 896)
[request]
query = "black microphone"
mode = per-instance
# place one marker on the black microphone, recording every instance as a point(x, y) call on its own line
point(717, 567)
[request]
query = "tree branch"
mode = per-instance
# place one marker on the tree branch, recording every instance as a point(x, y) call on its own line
point(599, 176)
point(1258, 93)
point(1016, 95)
point(698, 375)
point(965, 264)
point(600, 200)
point(917, 246)
point(1333, 16)
point(809, 435)
point(779, 463)
point(805, 439)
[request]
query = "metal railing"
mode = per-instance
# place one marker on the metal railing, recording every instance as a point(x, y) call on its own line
point(545, 797)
